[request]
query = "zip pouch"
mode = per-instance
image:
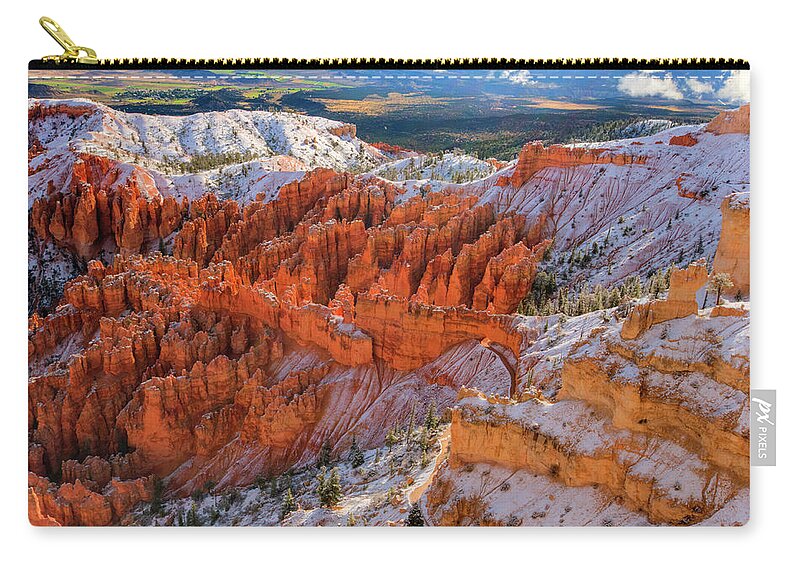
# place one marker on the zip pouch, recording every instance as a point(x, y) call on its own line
point(388, 293)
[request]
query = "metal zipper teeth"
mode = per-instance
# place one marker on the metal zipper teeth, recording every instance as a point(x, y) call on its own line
point(390, 63)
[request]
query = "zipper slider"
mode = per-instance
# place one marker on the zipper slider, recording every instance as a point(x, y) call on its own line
point(72, 52)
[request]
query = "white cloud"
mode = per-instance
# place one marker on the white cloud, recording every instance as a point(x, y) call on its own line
point(648, 85)
point(523, 76)
point(736, 88)
point(698, 87)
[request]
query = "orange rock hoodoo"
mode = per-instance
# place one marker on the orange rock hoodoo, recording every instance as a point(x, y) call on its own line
point(159, 362)
point(106, 199)
point(408, 334)
point(733, 250)
point(217, 340)
point(683, 140)
point(74, 504)
point(729, 122)
point(681, 301)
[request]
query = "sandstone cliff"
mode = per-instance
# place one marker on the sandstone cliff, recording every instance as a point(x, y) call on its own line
point(733, 250)
point(534, 157)
point(730, 122)
point(657, 425)
point(681, 301)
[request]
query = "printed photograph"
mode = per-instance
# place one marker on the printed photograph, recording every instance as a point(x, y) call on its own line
point(393, 297)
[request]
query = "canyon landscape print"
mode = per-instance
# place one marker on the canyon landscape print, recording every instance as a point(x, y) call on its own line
point(388, 298)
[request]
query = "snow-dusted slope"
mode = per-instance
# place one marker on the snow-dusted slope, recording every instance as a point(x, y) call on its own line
point(377, 493)
point(240, 182)
point(315, 141)
point(423, 173)
point(449, 167)
point(645, 127)
point(663, 208)
point(230, 151)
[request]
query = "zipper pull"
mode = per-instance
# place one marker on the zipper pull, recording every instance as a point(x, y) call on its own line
point(72, 52)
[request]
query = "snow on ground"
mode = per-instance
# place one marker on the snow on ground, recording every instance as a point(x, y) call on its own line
point(740, 201)
point(315, 141)
point(468, 364)
point(372, 398)
point(576, 428)
point(644, 128)
point(694, 339)
point(448, 167)
point(229, 151)
point(240, 182)
point(552, 340)
point(520, 498)
point(419, 174)
point(49, 268)
point(635, 213)
point(736, 511)
point(573, 424)
point(375, 494)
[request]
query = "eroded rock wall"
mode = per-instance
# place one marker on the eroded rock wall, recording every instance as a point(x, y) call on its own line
point(733, 250)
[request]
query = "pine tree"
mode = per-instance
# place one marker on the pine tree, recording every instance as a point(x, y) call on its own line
point(157, 502)
point(698, 249)
point(288, 504)
point(273, 487)
point(329, 488)
point(415, 516)
point(351, 520)
point(325, 454)
point(192, 518)
point(391, 438)
point(209, 488)
point(718, 283)
point(356, 456)
point(614, 298)
point(261, 483)
point(334, 488)
point(431, 419)
point(322, 485)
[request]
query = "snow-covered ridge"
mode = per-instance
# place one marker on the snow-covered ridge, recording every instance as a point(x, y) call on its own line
point(422, 173)
point(162, 142)
point(448, 167)
point(661, 208)
point(645, 127)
